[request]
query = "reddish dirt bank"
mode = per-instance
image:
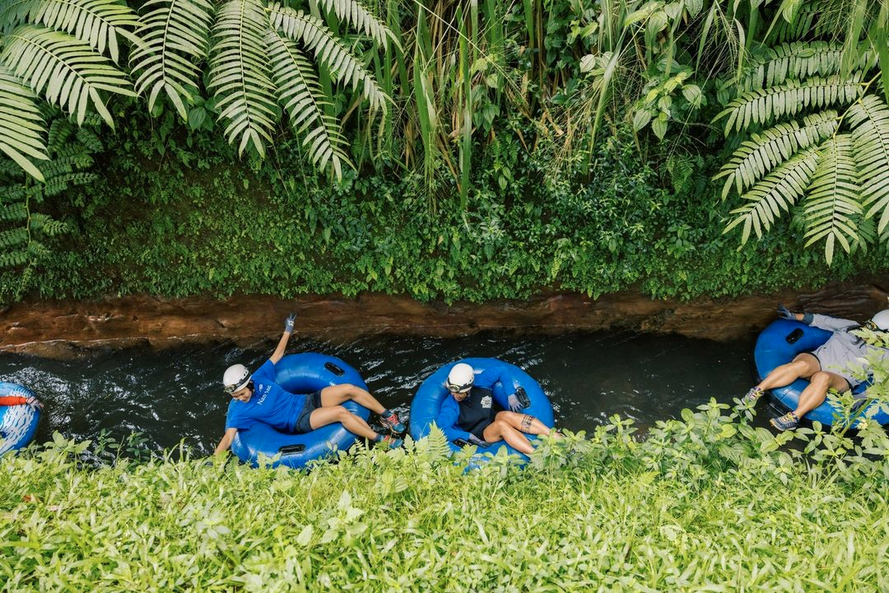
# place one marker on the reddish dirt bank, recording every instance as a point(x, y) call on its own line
point(66, 328)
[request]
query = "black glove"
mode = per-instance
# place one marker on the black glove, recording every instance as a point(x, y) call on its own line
point(785, 313)
point(478, 442)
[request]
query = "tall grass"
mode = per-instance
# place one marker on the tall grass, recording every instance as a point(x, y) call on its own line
point(705, 503)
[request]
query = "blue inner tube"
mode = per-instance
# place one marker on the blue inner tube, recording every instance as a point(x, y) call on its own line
point(773, 349)
point(303, 373)
point(17, 423)
point(426, 404)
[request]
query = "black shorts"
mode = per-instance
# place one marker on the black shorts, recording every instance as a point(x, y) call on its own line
point(313, 401)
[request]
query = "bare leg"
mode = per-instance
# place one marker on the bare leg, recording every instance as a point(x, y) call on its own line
point(501, 430)
point(330, 414)
point(816, 391)
point(803, 366)
point(336, 395)
point(523, 422)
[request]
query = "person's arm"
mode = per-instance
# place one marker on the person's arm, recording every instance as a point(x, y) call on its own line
point(21, 400)
point(824, 322)
point(226, 442)
point(447, 420)
point(282, 343)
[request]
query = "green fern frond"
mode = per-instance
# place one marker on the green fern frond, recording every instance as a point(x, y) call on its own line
point(299, 92)
point(797, 61)
point(764, 151)
point(777, 191)
point(240, 74)
point(361, 19)
point(833, 200)
point(175, 37)
point(65, 70)
point(870, 120)
point(13, 213)
point(13, 258)
point(15, 12)
point(21, 124)
point(343, 66)
point(60, 130)
point(808, 21)
point(57, 185)
point(13, 238)
point(765, 105)
point(95, 22)
point(90, 140)
point(47, 225)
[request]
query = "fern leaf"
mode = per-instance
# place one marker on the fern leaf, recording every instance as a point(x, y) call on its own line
point(175, 37)
point(762, 106)
point(13, 238)
point(764, 151)
point(240, 74)
point(797, 61)
point(361, 19)
point(95, 22)
point(21, 124)
point(343, 66)
point(833, 200)
point(65, 70)
point(299, 92)
point(870, 121)
point(778, 191)
point(13, 258)
point(15, 12)
point(13, 213)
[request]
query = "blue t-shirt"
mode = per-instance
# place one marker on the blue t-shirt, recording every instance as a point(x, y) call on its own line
point(270, 404)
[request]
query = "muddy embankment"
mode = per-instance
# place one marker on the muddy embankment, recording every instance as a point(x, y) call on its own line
point(69, 328)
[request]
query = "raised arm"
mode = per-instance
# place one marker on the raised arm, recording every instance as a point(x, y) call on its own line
point(226, 442)
point(282, 343)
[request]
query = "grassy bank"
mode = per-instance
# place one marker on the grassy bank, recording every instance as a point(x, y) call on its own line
point(705, 503)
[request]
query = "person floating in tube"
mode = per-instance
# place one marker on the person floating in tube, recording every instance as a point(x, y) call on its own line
point(469, 414)
point(258, 398)
point(836, 354)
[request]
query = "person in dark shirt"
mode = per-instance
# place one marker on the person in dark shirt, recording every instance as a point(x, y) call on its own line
point(259, 398)
point(469, 413)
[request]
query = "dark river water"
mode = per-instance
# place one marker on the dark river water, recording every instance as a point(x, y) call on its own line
point(177, 395)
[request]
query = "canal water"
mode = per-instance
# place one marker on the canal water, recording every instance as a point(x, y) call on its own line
point(176, 395)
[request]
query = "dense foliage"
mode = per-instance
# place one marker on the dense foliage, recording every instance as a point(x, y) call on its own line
point(705, 502)
point(511, 149)
point(169, 219)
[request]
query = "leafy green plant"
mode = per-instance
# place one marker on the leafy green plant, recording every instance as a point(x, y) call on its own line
point(24, 230)
point(836, 157)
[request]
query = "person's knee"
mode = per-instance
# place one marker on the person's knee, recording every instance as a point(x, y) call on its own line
point(341, 413)
point(503, 416)
point(820, 379)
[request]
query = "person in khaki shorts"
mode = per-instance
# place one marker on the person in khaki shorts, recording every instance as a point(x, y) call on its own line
point(825, 368)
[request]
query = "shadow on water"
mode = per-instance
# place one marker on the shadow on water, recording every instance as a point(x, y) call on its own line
point(176, 394)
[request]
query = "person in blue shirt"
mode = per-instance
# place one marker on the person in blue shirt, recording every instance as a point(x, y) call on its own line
point(826, 368)
point(259, 398)
point(469, 413)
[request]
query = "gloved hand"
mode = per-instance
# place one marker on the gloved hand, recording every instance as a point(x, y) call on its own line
point(34, 403)
point(288, 323)
point(478, 442)
point(514, 404)
point(785, 313)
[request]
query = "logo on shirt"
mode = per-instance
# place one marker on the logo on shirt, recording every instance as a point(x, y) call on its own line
point(264, 391)
point(486, 401)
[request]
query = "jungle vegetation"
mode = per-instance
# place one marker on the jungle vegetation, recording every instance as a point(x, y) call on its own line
point(760, 117)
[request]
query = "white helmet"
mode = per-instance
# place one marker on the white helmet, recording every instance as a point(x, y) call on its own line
point(235, 378)
point(460, 378)
point(881, 320)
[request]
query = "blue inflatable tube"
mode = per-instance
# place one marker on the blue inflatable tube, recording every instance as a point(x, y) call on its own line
point(778, 344)
point(17, 423)
point(303, 373)
point(426, 404)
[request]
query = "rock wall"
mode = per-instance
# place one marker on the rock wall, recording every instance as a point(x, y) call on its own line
point(66, 328)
